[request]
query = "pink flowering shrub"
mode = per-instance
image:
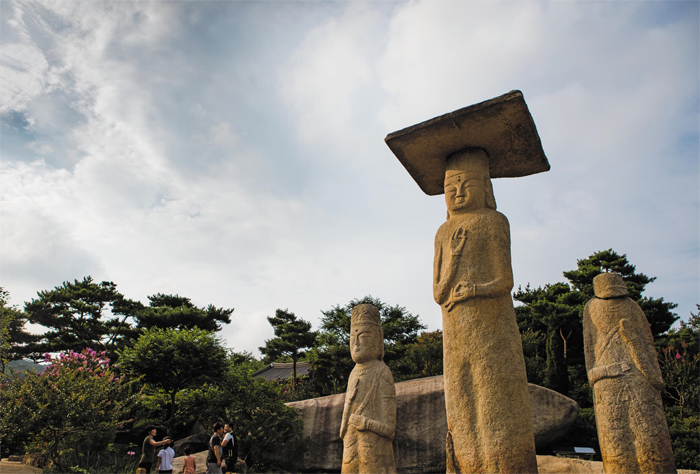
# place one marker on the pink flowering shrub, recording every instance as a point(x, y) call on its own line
point(680, 367)
point(73, 408)
point(90, 361)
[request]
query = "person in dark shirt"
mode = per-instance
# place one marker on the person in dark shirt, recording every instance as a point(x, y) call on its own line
point(214, 456)
point(148, 450)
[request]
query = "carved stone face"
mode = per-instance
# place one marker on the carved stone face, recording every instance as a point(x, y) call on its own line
point(464, 192)
point(366, 342)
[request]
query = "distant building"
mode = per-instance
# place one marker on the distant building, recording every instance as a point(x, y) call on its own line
point(282, 371)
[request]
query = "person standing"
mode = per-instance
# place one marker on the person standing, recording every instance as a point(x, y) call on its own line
point(189, 465)
point(214, 456)
point(165, 458)
point(230, 446)
point(148, 449)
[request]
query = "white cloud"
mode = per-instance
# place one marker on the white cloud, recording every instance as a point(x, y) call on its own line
point(23, 70)
point(218, 136)
point(41, 149)
point(199, 198)
point(320, 84)
point(39, 244)
point(442, 56)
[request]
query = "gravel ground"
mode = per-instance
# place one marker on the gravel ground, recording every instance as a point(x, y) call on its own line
point(7, 467)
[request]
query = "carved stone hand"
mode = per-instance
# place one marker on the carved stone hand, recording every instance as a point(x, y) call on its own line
point(620, 368)
point(459, 238)
point(462, 291)
point(359, 422)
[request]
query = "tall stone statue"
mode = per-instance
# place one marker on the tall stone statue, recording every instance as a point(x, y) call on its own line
point(624, 374)
point(369, 416)
point(486, 393)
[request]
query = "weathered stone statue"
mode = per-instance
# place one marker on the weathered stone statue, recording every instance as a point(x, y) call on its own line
point(369, 416)
point(624, 374)
point(486, 392)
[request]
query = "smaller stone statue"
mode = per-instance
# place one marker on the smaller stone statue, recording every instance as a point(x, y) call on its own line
point(626, 380)
point(369, 416)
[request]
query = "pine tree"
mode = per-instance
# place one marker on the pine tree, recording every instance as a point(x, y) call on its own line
point(292, 335)
point(658, 312)
point(551, 310)
point(15, 342)
point(75, 315)
point(175, 311)
point(558, 309)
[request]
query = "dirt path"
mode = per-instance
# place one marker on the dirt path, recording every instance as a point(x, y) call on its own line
point(7, 467)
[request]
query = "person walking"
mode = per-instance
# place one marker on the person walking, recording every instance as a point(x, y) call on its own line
point(230, 446)
point(214, 456)
point(148, 449)
point(165, 458)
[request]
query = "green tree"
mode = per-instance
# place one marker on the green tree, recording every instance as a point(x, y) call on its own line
point(292, 336)
point(685, 434)
point(14, 340)
point(269, 432)
point(75, 406)
point(679, 359)
point(423, 358)
point(175, 311)
point(535, 359)
point(552, 310)
point(330, 359)
point(558, 309)
point(658, 312)
point(76, 317)
point(174, 359)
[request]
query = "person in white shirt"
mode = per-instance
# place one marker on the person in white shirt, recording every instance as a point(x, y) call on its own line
point(165, 459)
point(230, 447)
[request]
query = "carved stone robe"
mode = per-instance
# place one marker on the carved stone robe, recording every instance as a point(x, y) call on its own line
point(371, 397)
point(630, 418)
point(486, 393)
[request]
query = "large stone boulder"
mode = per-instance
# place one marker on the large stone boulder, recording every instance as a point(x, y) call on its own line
point(421, 425)
point(197, 443)
point(200, 458)
point(552, 414)
point(201, 461)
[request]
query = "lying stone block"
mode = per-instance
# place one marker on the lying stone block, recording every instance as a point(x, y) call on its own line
point(557, 465)
point(421, 425)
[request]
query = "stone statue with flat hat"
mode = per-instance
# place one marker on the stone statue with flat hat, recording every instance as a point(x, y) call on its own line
point(486, 392)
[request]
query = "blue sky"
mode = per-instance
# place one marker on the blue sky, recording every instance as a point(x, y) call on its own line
point(232, 152)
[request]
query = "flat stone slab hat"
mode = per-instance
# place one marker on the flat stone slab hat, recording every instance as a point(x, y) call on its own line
point(503, 127)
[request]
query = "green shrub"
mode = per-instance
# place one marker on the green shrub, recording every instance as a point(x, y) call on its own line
point(685, 438)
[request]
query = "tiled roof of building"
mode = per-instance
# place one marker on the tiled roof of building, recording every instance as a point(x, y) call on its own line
point(281, 371)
